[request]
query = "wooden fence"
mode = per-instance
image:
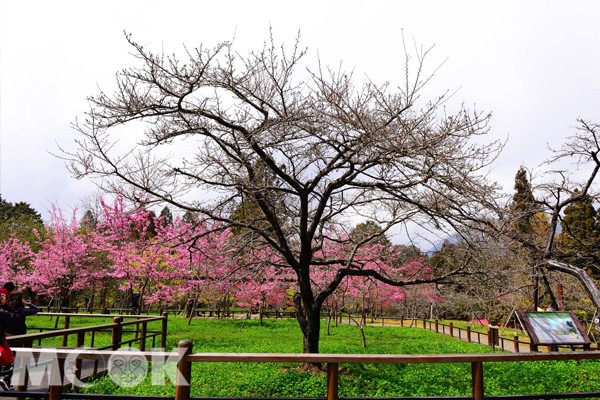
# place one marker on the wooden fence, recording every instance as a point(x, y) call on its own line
point(134, 332)
point(139, 334)
point(118, 327)
point(490, 337)
point(185, 357)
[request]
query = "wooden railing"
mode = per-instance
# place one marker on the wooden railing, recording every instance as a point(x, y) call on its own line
point(490, 337)
point(117, 328)
point(184, 358)
point(198, 312)
point(139, 336)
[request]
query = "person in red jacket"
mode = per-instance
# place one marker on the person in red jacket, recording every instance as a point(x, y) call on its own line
point(9, 320)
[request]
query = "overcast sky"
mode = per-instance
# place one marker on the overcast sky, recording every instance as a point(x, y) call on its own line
point(534, 64)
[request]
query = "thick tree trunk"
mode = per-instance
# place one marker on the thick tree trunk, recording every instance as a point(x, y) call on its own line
point(313, 332)
point(310, 324)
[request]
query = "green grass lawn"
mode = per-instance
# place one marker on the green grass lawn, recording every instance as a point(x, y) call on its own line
point(369, 380)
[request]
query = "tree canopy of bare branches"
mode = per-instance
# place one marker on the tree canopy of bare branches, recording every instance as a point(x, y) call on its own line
point(309, 148)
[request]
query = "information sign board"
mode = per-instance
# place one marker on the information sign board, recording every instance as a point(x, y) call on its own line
point(554, 328)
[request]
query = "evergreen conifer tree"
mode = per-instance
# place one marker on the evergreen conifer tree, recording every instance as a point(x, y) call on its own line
point(579, 235)
point(524, 207)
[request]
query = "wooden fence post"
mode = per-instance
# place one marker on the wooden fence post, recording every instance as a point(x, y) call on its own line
point(163, 332)
point(56, 380)
point(25, 371)
point(437, 326)
point(332, 381)
point(516, 342)
point(65, 341)
point(493, 339)
point(117, 333)
point(469, 334)
point(79, 361)
point(451, 329)
point(143, 336)
point(184, 368)
point(477, 380)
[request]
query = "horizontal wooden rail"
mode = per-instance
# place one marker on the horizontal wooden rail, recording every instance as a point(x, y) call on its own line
point(304, 358)
point(391, 358)
point(72, 331)
point(82, 315)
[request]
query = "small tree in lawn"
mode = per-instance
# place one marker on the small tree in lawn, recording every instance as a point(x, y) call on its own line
point(305, 148)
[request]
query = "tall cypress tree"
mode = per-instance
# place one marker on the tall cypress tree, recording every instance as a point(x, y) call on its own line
point(523, 205)
point(261, 186)
point(88, 221)
point(367, 229)
point(166, 217)
point(530, 223)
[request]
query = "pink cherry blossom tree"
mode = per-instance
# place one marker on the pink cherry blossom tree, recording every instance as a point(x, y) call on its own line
point(64, 264)
point(15, 259)
point(142, 258)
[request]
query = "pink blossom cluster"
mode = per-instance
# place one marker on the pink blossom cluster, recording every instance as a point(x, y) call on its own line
point(165, 263)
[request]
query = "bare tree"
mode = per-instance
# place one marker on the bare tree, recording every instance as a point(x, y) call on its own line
point(498, 282)
point(571, 177)
point(330, 149)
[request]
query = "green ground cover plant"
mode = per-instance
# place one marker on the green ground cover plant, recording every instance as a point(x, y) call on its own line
point(369, 380)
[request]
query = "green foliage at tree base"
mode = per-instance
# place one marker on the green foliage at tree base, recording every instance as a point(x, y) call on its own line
point(356, 380)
